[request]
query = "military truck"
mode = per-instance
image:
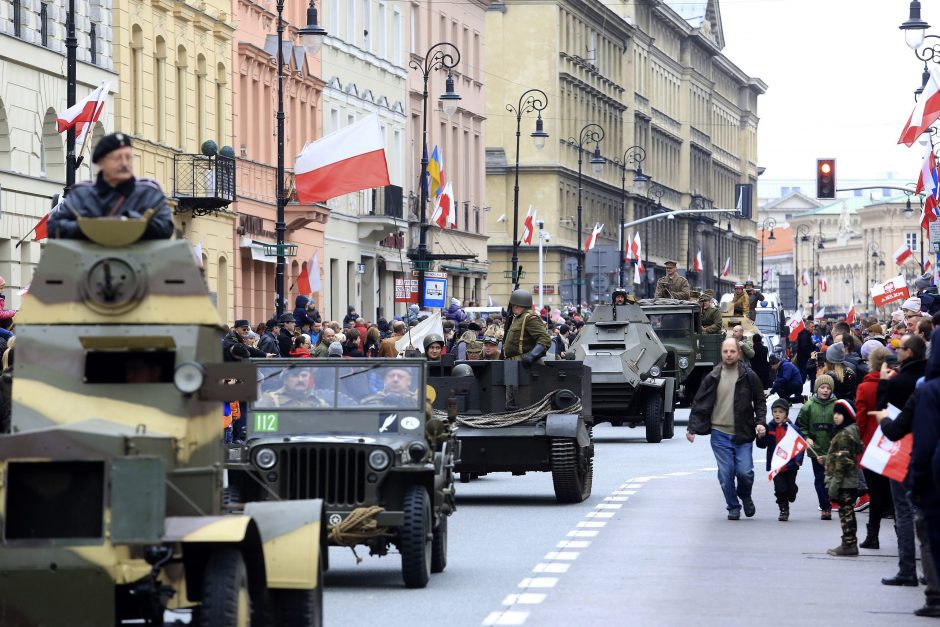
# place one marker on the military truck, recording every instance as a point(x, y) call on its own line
point(354, 433)
point(629, 382)
point(111, 482)
point(518, 420)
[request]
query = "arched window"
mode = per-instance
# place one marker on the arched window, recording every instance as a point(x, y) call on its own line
point(5, 146)
point(51, 149)
point(181, 63)
point(221, 289)
point(201, 99)
point(137, 77)
point(221, 129)
point(159, 87)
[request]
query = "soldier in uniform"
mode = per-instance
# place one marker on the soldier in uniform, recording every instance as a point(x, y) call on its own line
point(116, 193)
point(433, 346)
point(620, 297)
point(490, 348)
point(711, 317)
point(527, 340)
point(672, 285)
point(740, 302)
point(753, 297)
point(294, 391)
point(396, 391)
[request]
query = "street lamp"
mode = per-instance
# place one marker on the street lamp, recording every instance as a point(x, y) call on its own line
point(531, 100)
point(310, 34)
point(914, 27)
point(635, 155)
point(769, 223)
point(71, 45)
point(590, 133)
point(441, 55)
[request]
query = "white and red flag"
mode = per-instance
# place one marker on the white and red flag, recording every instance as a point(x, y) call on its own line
point(926, 111)
point(887, 458)
point(698, 266)
point(345, 161)
point(823, 284)
point(850, 317)
point(636, 249)
point(788, 448)
point(928, 183)
point(727, 268)
point(444, 213)
point(528, 225)
point(796, 325)
point(804, 278)
point(820, 313)
point(592, 239)
point(83, 114)
point(902, 254)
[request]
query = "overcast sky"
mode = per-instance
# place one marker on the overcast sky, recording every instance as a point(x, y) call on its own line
point(841, 82)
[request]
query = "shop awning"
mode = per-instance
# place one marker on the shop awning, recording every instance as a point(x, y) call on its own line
point(393, 265)
point(257, 250)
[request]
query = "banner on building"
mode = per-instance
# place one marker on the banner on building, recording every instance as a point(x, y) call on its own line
point(406, 290)
point(890, 291)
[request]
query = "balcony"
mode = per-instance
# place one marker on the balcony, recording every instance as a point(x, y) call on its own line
point(384, 215)
point(203, 184)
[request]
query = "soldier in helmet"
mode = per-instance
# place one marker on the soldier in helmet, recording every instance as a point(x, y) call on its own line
point(672, 285)
point(620, 297)
point(433, 346)
point(527, 340)
point(115, 194)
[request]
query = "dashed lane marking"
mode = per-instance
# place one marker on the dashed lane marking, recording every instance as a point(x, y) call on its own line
point(562, 555)
point(608, 506)
point(573, 544)
point(526, 598)
point(538, 582)
point(600, 514)
point(551, 568)
point(578, 533)
point(507, 617)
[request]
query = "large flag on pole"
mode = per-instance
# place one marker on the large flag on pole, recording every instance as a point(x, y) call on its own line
point(592, 239)
point(313, 272)
point(345, 161)
point(436, 172)
point(727, 268)
point(83, 114)
point(850, 317)
point(528, 226)
point(444, 213)
point(636, 248)
point(926, 111)
point(698, 266)
point(788, 448)
point(902, 254)
point(796, 324)
point(416, 335)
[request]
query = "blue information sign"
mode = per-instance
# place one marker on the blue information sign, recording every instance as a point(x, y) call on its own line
point(435, 292)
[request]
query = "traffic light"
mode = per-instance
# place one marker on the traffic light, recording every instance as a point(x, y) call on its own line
point(825, 179)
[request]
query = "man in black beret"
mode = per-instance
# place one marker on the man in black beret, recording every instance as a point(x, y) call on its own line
point(268, 342)
point(116, 193)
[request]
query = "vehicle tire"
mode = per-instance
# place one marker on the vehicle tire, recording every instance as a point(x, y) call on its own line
point(669, 425)
point(572, 471)
point(300, 608)
point(415, 538)
point(654, 418)
point(439, 546)
point(226, 599)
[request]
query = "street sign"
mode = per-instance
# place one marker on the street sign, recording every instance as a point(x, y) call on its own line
point(934, 234)
point(406, 290)
point(435, 291)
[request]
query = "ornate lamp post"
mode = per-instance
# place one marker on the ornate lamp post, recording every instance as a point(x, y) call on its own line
point(531, 100)
point(590, 134)
point(769, 223)
point(442, 55)
point(635, 155)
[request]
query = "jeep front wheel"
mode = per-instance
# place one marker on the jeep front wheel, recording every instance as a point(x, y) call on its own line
point(415, 541)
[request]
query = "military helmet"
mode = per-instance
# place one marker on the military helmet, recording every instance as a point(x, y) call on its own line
point(618, 292)
point(433, 338)
point(462, 370)
point(522, 298)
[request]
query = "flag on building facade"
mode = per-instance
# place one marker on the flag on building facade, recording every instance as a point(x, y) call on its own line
point(83, 114)
point(636, 248)
point(727, 268)
point(788, 448)
point(823, 284)
point(592, 239)
point(804, 278)
point(926, 111)
point(528, 225)
point(444, 212)
point(436, 172)
point(902, 254)
point(698, 266)
point(345, 161)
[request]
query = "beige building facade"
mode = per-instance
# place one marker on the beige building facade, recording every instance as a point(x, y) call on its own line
point(652, 75)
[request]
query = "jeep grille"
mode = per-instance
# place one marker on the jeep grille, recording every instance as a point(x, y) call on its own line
point(335, 474)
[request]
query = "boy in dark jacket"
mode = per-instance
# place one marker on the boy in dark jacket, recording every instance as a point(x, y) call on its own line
point(785, 487)
point(842, 473)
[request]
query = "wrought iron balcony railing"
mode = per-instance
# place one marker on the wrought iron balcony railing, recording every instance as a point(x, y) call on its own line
point(203, 184)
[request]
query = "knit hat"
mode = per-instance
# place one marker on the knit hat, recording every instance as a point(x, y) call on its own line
point(336, 350)
point(868, 347)
point(823, 379)
point(845, 408)
point(911, 304)
point(835, 354)
point(782, 404)
point(923, 282)
point(455, 302)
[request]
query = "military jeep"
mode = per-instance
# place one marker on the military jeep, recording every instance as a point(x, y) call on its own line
point(354, 433)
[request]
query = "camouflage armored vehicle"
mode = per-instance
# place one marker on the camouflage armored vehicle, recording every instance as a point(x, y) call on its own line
point(111, 482)
point(354, 433)
point(548, 430)
point(629, 383)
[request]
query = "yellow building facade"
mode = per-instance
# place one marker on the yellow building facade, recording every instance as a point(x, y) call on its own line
point(174, 62)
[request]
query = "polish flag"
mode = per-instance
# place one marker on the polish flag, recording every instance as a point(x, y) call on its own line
point(796, 325)
point(197, 255)
point(928, 266)
point(727, 268)
point(698, 266)
point(820, 313)
point(788, 448)
point(887, 458)
point(636, 250)
point(444, 214)
point(902, 254)
point(850, 317)
point(528, 226)
point(926, 111)
point(83, 114)
point(823, 284)
point(345, 161)
point(637, 268)
point(804, 278)
point(592, 239)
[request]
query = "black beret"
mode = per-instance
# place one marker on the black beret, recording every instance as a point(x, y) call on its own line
point(109, 143)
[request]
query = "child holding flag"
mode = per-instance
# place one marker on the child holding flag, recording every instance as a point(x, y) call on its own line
point(784, 476)
point(842, 473)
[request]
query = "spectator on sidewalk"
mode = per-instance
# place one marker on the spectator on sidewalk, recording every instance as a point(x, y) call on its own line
point(842, 474)
point(730, 406)
point(815, 423)
point(785, 487)
point(879, 491)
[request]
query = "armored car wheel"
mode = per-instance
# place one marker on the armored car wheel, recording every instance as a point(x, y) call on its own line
point(415, 542)
point(654, 418)
point(300, 608)
point(572, 471)
point(439, 546)
point(226, 600)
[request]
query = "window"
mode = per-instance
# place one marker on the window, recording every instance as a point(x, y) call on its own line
point(396, 37)
point(93, 43)
point(17, 18)
point(334, 119)
point(333, 16)
point(911, 239)
point(221, 79)
point(383, 31)
point(44, 24)
point(351, 21)
point(414, 28)
point(201, 99)
point(137, 75)
point(366, 25)
point(159, 89)
point(181, 96)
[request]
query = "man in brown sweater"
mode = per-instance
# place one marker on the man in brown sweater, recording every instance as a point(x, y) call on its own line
point(387, 347)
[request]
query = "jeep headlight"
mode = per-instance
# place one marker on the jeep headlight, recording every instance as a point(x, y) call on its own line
point(265, 459)
point(417, 451)
point(188, 377)
point(683, 362)
point(379, 459)
point(655, 371)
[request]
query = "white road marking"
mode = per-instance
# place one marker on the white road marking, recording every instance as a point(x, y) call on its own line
point(551, 568)
point(506, 618)
point(600, 514)
point(526, 598)
point(710, 468)
point(616, 499)
point(573, 544)
point(678, 474)
point(577, 533)
point(562, 555)
point(538, 582)
point(634, 485)
point(591, 524)
point(608, 506)
point(623, 492)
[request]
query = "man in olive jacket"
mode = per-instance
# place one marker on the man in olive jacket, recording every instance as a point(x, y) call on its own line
point(730, 406)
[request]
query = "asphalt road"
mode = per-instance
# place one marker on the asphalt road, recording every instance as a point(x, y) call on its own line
point(652, 546)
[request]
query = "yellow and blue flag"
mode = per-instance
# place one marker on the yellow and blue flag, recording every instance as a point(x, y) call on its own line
point(436, 171)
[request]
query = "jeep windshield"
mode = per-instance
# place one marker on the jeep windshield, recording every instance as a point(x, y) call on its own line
point(670, 325)
point(330, 386)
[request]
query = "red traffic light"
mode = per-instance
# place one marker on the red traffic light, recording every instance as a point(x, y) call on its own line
point(826, 179)
point(825, 168)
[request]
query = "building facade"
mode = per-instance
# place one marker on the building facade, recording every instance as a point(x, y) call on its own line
point(694, 119)
point(364, 67)
point(32, 90)
point(174, 63)
point(254, 100)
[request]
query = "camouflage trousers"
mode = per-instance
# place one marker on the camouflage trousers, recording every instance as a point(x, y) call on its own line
point(846, 503)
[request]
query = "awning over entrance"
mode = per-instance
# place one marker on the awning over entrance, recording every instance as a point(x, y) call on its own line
point(392, 264)
point(257, 250)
